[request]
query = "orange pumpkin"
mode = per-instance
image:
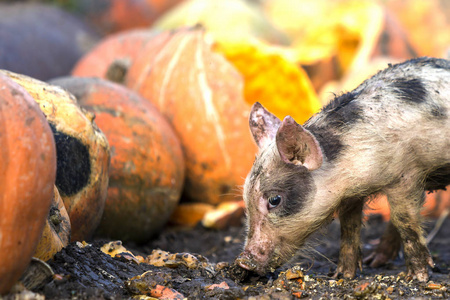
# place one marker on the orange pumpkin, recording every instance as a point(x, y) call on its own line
point(189, 214)
point(82, 153)
point(435, 203)
point(56, 234)
point(201, 94)
point(147, 166)
point(112, 56)
point(27, 177)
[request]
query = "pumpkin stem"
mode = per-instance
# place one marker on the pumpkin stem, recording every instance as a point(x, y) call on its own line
point(118, 70)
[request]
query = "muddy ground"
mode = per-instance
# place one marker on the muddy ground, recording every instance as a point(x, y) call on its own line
point(85, 272)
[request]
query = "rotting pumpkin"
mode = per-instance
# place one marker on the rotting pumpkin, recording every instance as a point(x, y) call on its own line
point(147, 165)
point(82, 154)
point(27, 177)
point(56, 233)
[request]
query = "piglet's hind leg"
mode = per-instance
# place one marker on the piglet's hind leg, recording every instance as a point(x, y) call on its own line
point(405, 205)
point(387, 249)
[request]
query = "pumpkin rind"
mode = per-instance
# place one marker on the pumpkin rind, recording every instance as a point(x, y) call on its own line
point(27, 177)
point(82, 153)
point(147, 165)
point(200, 93)
point(56, 233)
point(113, 54)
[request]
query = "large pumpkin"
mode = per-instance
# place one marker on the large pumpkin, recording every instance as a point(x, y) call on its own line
point(82, 153)
point(41, 41)
point(27, 176)
point(201, 94)
point(147, 166)
point(113, 55)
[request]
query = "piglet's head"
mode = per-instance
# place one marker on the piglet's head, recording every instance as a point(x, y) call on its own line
point(278, 190)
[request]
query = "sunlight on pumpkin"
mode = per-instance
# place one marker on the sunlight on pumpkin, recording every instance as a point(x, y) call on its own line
point(319, 29)
point(271, 78)
point(230, 20)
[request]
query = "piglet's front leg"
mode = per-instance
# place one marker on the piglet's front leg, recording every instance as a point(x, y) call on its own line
point(405, 202)
point(350, 252)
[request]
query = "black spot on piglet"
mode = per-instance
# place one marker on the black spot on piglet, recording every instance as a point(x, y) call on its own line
point(410, 90)
point(73, 167)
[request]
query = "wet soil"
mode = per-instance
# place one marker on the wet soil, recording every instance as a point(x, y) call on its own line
point(88, 273)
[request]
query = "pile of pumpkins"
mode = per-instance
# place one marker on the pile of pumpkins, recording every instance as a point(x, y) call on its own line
point(84, 154)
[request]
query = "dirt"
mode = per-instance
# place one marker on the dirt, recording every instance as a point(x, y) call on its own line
point(200, 267)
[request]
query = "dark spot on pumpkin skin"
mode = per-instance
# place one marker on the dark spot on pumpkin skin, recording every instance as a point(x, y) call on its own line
point(29, 121)
point(15, 92)
point(73, 167)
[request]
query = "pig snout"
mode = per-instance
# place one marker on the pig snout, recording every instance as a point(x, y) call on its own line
point(245, 261)
point(258, 259)
point(248, 261)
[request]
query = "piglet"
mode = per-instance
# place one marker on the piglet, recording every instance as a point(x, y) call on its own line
point(390, 136)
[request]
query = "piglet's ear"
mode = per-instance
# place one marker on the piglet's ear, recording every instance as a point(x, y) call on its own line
point(298, 146)
point(263, 125)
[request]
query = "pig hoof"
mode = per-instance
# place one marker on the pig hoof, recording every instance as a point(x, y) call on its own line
point(346, 275)
point(337, 275)
point(376, 259)
point(341, 273)
point(418, 268)
point(421, 275)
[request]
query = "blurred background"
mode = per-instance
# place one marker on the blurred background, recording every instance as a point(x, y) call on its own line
point(337, 43)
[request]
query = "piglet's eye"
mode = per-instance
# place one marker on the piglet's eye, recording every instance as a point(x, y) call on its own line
point(274, 201)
